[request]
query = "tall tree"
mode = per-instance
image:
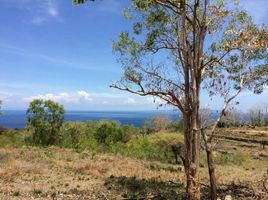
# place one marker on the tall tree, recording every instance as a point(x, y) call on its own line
point(178, 47)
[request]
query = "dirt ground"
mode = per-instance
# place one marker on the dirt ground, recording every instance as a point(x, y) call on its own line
point(55, 173)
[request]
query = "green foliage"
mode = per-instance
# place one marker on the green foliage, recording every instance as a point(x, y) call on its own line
point(70, 134)
point(104, 137)
point(151, 147)
point(176, 126)
point(12, 138)
point(109, 133)
point(45, 119)
point(152, 53)
point(2, 130)
point(77, 2)
point(96, 135)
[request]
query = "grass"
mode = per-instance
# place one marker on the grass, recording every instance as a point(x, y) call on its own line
point(142, 168)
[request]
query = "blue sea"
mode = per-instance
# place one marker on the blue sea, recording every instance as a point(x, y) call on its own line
point(17, 119)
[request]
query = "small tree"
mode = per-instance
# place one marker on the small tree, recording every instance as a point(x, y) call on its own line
point(160, 122)
point(259, 115)
point(45, 118)
point(255, 117)
point(109, 132)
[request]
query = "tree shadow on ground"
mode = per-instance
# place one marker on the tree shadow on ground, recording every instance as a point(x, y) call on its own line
point(139, 189)
point(238, 191)
point(132, 188)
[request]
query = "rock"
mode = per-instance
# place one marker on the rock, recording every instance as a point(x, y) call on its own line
point(228, 197)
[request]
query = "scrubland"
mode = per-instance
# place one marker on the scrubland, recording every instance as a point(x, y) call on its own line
point(137, 166)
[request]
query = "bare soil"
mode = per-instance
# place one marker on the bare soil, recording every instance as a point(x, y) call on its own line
point(56, 173)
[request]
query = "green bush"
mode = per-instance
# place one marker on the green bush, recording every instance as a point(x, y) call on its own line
point(12, 138)
point(70, 134)
point(45, 119)
point(106, 137)
point(109, 133)
point(152, 147)
point(2, 130)
point(176, 126)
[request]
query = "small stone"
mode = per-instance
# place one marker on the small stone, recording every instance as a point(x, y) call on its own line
point(228, 197)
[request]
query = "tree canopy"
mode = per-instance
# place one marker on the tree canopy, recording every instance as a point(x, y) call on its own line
point(219, 45)
point(46, 119)
point(180, 48)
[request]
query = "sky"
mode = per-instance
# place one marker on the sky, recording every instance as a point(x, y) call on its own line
point(51, 49)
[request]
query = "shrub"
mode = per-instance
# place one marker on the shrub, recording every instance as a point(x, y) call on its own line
point(176, 126)
point(70, 134)
point(130, 132)
point(160, 123)
point(152, 147)
point(156, 124)
point(12, 138)
point(2, 130)
point(110, 132)
point(45, 119)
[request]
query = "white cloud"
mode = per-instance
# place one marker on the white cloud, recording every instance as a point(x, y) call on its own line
point(43, 11)
point(85, 95)
point(78, 97)
point(40, 11)
point(83, 100)
point(63, 97)
point(86, 99)
point(130, 101)
point(52, 8)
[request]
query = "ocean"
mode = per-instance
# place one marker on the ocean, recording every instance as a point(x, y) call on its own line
point(17, 119)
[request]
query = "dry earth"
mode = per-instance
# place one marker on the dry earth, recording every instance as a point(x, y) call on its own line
point(55, 173)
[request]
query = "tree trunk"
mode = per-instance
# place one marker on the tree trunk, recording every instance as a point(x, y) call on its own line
point(191, 160)
point(212, 178)
point(193, 183)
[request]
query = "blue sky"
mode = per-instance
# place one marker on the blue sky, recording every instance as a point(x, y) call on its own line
point(51, 49)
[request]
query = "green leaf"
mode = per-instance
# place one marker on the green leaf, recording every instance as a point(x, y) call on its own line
point(220, 2)
point(236, 3)
point(137, 28)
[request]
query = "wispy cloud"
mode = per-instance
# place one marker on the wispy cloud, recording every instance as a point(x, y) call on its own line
point(63, 97)
point(52, 8)
point(40, 11)
point(87, 99)
point(59, 62)
point(130, 101)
